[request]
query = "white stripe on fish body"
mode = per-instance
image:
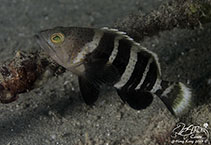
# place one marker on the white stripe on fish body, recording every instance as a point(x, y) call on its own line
point(128, 71)
point(144, 74)
point(80, 56)
point(156, 60)
point(90, 46)
point(116, 45)
point(115, 50)
point(154, 56)
point(157, 85)
point(120, 35)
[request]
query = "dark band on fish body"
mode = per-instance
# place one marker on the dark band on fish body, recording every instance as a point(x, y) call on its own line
point(164, 85)
point(142, 60)
point(123, 55)
point(97, 60)
point(103, 51)
point(150, 78)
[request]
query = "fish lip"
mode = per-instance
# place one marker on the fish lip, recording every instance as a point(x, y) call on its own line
point(41, 41)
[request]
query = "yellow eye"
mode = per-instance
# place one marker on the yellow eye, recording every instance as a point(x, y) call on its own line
point(57, 38)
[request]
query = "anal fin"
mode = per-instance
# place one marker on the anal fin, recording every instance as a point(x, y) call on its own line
point(137, 99)
point(89, 91)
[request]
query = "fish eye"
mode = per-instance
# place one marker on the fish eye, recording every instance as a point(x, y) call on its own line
point(57, 38)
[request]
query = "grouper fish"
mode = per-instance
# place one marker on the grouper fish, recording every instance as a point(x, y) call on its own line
point(107, 56)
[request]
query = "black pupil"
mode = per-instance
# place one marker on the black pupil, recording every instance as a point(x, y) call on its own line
point(56, 38)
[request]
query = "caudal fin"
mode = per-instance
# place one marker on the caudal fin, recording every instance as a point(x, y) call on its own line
point(176, 96)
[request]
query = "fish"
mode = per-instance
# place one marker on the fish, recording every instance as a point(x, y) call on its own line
point(106, 56)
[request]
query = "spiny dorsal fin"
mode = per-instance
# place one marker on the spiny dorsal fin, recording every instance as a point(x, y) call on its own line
point(123, 34)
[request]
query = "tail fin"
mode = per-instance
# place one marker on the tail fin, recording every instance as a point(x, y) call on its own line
point(176, 96)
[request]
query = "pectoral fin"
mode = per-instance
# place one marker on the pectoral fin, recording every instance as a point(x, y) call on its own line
point(106, 74)
point(89, 91)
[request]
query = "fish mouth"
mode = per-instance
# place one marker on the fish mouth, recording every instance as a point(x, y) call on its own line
point(42, 42)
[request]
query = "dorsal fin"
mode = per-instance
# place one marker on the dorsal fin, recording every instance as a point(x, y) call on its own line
point(123, 34)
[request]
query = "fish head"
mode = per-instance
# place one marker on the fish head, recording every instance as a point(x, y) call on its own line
point(64, 44)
